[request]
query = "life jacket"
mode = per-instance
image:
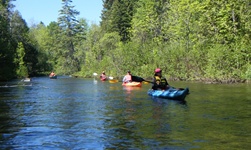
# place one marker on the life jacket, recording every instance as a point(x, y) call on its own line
point(161, 82)
point(128, 78)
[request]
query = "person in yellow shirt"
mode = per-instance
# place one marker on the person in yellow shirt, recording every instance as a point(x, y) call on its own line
point(159, 82)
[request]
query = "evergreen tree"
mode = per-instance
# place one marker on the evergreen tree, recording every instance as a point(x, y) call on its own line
point(106, 15)
point(69, 28)
point(117, 16)
point(19, 28)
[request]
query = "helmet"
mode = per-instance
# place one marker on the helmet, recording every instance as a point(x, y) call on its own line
point(103, 72)
point(157, 70)
point(128, 71)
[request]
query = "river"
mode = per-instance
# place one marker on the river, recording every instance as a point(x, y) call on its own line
point(74, 113)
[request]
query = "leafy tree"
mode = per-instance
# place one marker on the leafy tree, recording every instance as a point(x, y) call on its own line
point(20, 32)
point(91, 53)
point(53, 44)
point(39, 35)
point(22, 70)
point(144, 21)
point(188, 39)
point(7, 48)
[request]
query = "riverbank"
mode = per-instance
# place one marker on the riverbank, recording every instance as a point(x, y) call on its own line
point(214, 81)
point(202, 80)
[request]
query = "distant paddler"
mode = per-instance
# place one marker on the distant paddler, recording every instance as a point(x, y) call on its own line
point(103, 76)
point(53, 75)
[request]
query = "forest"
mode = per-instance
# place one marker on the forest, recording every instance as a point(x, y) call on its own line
point(191, 40)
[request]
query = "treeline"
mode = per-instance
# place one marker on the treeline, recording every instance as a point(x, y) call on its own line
point(189, 40)
point(18, 54)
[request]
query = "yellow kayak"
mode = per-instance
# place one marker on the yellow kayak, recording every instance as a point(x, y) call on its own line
point(132, 84)
point(113, 81)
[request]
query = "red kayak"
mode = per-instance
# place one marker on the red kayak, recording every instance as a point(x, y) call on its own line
point(132, 84)
point(103, 79)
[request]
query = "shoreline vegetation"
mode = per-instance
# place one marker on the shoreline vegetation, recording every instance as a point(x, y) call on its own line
point(202, 80)
point(189, 40)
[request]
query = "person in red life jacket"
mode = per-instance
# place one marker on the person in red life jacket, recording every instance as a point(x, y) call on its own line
point(103, 76)
point(128, 77)
point(159, 82)
point(52, 74)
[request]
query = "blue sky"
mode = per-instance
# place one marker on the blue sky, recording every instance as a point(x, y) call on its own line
point(34, 11)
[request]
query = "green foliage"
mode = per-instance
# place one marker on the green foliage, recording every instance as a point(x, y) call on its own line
point(70, 31)
point(40, 35)
point(117, 16)
point(20, 33)
point(144, 21)
point(248, 72)
point(7, 46)
point(22, 70)
point(189, 40)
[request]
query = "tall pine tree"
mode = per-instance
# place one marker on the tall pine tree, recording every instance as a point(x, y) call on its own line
point(69, 28)
point(117, 16)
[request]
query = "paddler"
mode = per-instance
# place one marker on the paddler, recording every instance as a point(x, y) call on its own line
point(159, 82)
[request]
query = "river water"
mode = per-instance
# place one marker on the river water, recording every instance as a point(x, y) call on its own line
point(73, 113)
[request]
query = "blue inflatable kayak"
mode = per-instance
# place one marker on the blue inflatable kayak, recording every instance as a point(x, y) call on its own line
point(171, 93)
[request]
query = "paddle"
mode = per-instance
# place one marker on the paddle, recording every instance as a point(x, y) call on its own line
point(94, 74)
point(139, 79)
point(146, 82)
point(134, 78)
point(94, 79)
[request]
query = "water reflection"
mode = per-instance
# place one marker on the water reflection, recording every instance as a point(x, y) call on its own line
point(129, 92)
point(70, 113)
point(162, 101)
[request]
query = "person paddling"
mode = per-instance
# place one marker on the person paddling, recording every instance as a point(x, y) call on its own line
point(103, 76)
point(128, 77)
point(159, 82)
point(52, 74)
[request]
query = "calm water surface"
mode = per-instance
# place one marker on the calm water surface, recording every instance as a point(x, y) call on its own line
point(72, 113)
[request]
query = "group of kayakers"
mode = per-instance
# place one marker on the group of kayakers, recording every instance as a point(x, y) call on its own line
point(159, 82)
